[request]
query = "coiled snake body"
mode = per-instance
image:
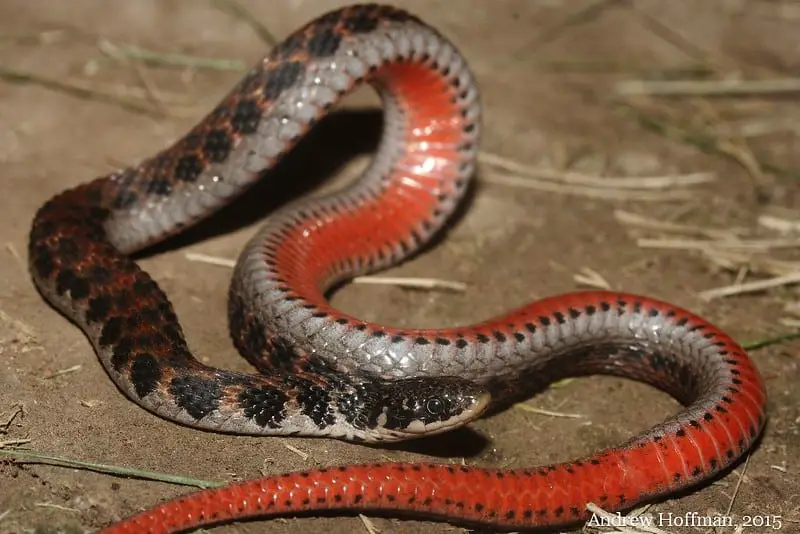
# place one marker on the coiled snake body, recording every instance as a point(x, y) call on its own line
point(324, 373)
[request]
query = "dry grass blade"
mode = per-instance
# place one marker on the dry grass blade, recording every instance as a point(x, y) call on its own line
point(80, 91)
point(732, 87)
point(238, 11)
point(167, 59)
point(634, 219)
point(601, 182)
point(779, 224)
point(750, 287)
point(733, 260)
point(588, 192)
point(755, 245)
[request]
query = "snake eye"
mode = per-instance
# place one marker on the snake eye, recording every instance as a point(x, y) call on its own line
point(435, 406)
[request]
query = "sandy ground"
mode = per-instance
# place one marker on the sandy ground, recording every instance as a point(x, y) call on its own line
point(548, 70)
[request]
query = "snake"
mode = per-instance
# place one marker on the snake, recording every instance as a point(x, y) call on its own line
point(324, 373)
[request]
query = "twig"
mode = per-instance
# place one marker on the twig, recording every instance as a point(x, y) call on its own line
point(409, 282)
point(63, 372)
point(539, 411)
point(590, 277)
point(738, 485)
point(56, 506)
point(412, 283)
point(298, 452)
point(368, 524)
point(634, 523)
point(750, 287)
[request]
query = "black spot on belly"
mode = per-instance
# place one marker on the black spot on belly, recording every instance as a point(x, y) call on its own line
point(145, 374)
point(196, 395)
point(264, 405)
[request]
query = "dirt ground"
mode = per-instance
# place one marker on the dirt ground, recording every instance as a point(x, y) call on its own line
point(548, 72)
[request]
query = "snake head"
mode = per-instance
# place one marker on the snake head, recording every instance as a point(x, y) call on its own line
point(417, 407)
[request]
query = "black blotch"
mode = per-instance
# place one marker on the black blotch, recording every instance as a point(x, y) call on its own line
point(442, 341)
point(696, 472)
point(530, 327)
point(482, 338)
point(544, 320)
point(519, 337)
point(98, 309)
point(265, 405)
point(558, 511)
point(246, 116)
point(574, 313)
point(361, 21)
point(324, 43)
point(315, 403)
point(461, 343)
point(159, 186)
point(422, 341)
point(188, 168)
point(217, 145)
point(125, 199)
point(559, 317)
point(499, 336)
point(707, 416)
point(122, 352)
point(111, 331)
point(43, 262)
point(145, 374)
point(478, 507)
point(281, 78)
point(198, 396)
point(680, 433)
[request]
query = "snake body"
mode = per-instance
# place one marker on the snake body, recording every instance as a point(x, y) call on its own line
point(325, 373)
